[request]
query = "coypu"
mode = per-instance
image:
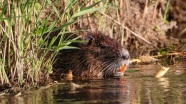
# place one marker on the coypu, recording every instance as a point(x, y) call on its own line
point(97, 56)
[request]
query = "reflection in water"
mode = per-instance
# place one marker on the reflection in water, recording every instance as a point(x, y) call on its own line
point(159, 91)
point(96, 91)
point(132, 89)
point(164, 82)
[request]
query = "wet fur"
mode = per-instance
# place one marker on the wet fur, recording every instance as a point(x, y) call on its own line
point(98, 56)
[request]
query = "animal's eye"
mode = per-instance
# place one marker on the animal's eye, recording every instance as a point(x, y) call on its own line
point(88, 40)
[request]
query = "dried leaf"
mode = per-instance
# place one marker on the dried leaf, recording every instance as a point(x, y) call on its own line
point(162, 72)
point(147, 59)
point(144, 59)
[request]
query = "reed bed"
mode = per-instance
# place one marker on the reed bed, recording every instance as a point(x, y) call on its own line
point(24, 50)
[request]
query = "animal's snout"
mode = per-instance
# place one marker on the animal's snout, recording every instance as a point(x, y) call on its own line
point(125, 57)
point(125, 54)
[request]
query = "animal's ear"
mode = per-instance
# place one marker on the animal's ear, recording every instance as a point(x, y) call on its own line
point(88, 40)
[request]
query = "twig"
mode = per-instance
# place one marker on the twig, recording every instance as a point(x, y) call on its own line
point(154, 12)
point(145, 9)
point(1, 94)
point(170, 54)
point(135, 34)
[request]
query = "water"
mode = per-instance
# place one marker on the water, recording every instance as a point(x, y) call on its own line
point(139, 86)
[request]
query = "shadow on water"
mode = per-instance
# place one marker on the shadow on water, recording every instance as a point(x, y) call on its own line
point(137, 87)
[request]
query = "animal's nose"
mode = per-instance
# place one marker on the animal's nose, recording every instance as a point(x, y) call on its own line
point(125, 54)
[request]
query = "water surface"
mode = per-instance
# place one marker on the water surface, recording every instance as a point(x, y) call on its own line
point(139, 86)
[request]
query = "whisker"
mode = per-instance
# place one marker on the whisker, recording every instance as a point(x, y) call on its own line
point(108, 70)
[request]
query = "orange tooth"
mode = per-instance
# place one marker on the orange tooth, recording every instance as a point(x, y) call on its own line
point(122, 68)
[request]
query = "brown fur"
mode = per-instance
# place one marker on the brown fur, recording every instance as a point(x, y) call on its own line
point(98, 56)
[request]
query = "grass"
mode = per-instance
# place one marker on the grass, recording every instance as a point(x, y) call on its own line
point(24, 53)
point(20, 44)
point(166, 11)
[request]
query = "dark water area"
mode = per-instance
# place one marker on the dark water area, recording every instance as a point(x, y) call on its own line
point(138, 86)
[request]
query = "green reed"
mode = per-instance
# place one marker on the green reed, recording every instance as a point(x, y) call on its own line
point(24, 52)
point(166, 11)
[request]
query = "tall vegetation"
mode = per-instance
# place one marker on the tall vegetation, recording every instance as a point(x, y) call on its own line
point(20, 41)
point(24, 50)
point(25, 26)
